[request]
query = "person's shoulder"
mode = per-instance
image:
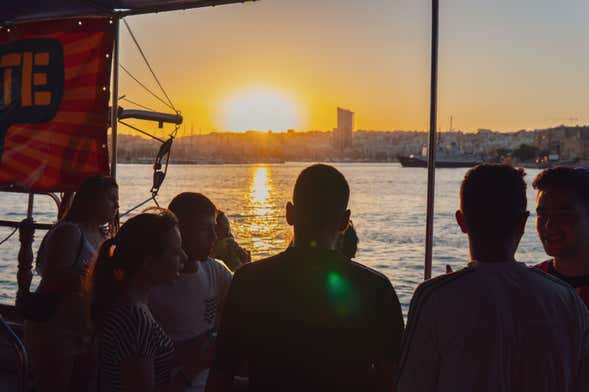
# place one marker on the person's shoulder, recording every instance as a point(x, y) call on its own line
point(367, 272)
point(263, 267)
point(549, 280)
point(544, 266)
point(65, 232)
point(218, 265)
point(125, 322)
point(439, 284)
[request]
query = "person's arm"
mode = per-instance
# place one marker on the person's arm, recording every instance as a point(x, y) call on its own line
point(420, 361)
point(195, 354)
point(229, 353)
point(62, 251)
point(391, 333)
point(224, 277)
point(583, 375)
point(137, 375)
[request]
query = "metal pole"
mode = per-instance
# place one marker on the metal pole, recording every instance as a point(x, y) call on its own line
point(431, 156)
point(30, 206)
point(115, 98)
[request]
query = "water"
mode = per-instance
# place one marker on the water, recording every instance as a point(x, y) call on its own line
point(387, 204)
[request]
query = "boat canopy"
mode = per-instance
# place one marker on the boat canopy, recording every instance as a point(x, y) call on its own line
point(13, 11)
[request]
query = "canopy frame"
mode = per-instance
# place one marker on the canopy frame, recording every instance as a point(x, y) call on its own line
point(93, 8)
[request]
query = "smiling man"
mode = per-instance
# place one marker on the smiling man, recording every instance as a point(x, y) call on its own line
point(563, 225)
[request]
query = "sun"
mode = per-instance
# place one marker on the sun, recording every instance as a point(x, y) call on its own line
point(260, 109)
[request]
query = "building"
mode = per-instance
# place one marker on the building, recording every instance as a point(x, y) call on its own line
point(566, 142)
point(342, 135)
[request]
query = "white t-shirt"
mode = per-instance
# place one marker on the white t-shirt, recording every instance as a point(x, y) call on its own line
point(189, 307)
point(500, 327)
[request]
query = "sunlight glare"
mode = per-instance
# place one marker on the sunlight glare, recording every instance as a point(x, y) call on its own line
point(260, 109)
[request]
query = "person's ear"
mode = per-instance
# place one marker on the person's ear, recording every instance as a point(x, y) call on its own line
point(290, 213)
point(460, 220)
point(345, 222)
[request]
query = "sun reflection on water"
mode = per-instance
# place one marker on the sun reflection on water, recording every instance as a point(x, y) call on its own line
point(262, 224)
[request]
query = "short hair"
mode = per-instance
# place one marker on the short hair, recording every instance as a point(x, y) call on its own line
point(189, 205)
point(492, 199)
point(567, 179)
point(321, 195)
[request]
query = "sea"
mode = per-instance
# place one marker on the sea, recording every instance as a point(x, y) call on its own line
point(388, 204)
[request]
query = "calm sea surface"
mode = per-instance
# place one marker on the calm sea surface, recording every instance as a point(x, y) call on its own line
point(387, 203)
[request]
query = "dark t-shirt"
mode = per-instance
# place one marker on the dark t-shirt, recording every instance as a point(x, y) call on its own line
point(309, 319)
point(580, 283)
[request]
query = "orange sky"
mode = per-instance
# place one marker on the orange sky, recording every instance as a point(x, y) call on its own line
point(501, 67)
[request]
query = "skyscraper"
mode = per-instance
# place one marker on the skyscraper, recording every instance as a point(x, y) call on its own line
point(342, 135)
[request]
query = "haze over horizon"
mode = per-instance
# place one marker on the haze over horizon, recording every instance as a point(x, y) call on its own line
point(278, 64)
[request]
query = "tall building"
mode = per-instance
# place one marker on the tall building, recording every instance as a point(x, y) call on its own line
point(342, 135)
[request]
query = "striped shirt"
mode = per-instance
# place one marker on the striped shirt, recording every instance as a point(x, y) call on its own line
point(500, 327)
point(131, 330)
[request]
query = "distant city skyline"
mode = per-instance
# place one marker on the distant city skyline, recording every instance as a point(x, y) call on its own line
point(503, 65)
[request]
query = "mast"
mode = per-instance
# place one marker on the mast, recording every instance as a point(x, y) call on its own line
point(431, 156)
point(115, 98)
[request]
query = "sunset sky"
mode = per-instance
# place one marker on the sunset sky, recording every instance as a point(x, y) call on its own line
point(278, 64)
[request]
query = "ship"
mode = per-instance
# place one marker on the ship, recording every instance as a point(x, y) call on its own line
point(444, 158)
point(413, 161)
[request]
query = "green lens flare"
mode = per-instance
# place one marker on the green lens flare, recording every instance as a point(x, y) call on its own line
point(340, 293)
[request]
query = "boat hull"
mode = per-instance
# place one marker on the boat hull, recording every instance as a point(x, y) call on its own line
point(419, 162)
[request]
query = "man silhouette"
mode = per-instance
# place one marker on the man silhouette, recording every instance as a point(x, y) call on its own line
point(309, 318)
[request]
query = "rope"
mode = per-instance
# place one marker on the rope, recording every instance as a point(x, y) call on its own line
point(145, 87)
point(137, 104)
point(148, 65)
point(139, 205)
point(142, 131)
point(8, 236)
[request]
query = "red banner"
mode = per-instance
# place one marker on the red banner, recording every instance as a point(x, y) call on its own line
point(54, 94)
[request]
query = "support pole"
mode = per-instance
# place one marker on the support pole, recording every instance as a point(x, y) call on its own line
point(431, 156)
point(30, 206)
point(115, 98)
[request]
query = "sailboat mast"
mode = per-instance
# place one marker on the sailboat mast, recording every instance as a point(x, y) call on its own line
point(431, 157)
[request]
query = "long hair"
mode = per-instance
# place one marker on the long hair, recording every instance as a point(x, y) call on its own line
point(85, 198)
point(124, 255)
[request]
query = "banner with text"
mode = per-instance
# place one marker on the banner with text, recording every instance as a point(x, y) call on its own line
point(54, 95)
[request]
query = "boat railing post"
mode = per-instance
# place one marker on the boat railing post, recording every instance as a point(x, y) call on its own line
point(24, 274)
point(115, 97)
point(431, 156)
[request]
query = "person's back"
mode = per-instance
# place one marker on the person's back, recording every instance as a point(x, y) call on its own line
point(311, 320)
point(496, 327)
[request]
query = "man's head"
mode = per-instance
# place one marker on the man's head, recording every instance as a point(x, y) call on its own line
point(493, 204)
point(319, 203)
point(562, 207)
point(197, 219)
